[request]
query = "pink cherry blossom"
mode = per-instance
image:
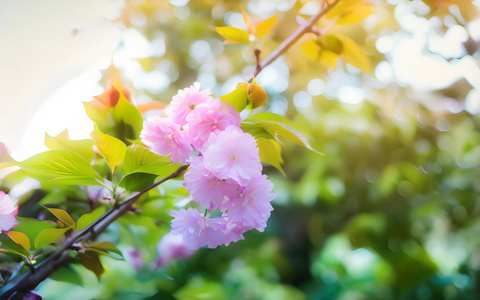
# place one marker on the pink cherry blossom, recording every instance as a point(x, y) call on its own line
point(206, 188)
point(233, 154)
point(164, 137)
point(252, 206)
point(185, 101)
point(134, 257)
point(234, 230)
point(8, 211)
point(172, 247)
point(196, 229)
point(210, 117)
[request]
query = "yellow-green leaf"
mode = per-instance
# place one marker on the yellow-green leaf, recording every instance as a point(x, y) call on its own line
point(63, 216)
point(280, 129)
point(268, 116)
point(139, 159)
point(63, 142)
point(31, 228)
point(233, 34)
point(60, 167)
point(7, 244)
point(264, 28)
point(354, 54)
point(48, 236)
point(237, 98)
point(85, 220)
point(106, 248)
point(112, 149)
point(127, 118)
point(138, 181)
point(270, 153)
point(20, 238)
point(257, 131)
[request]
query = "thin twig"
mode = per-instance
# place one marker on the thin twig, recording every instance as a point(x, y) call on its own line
point(295, 36)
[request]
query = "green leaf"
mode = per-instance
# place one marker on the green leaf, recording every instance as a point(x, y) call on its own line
point(268, 116)
point(237, 98)
point(112, 149)
point(233, 34)
point(62, 142)
point(139, 159)
point(63, 216)
point(32, 227)
point(106, 248)
point(101, 116)
point(270, 153)
point(279, 129)
point(87, 219)
point(138, 181)
point(48, 236)
point(12, 179)
point(200, 289)
point(7, 244)
point(68, 274)
point(58, 196)
point(91, 262)
point(60, 167)
point(20, 238)
point(257, 131)
point(128, 119)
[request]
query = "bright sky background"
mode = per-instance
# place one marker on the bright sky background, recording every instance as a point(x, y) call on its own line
point(44, 45)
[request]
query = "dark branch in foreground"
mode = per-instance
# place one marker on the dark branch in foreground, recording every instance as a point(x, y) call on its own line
point(61, 257)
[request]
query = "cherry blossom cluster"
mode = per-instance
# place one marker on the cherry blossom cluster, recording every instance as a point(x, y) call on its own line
point(8, 211)
point(225, 175)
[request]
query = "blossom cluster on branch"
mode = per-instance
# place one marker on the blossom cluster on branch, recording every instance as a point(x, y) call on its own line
point(225, 176)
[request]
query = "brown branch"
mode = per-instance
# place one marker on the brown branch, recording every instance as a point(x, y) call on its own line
point(292, 39)
point(61, 257)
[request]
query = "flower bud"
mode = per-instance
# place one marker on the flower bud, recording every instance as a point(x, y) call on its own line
point(256, 94)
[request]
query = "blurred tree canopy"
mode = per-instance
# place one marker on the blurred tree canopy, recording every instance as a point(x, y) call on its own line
point(390, 211)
